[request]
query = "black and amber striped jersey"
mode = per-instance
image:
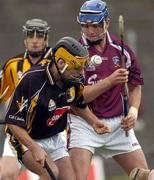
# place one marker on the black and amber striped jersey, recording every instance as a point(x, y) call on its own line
point(40, 106)
point(13, 70)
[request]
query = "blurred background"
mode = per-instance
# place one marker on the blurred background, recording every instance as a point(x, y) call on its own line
point(61, 16)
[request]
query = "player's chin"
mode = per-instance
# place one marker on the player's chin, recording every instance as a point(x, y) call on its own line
point(93, 39)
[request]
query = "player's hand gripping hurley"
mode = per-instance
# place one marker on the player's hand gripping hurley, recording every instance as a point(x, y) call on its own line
point(123, 65)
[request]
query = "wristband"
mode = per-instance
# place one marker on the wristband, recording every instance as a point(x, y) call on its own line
point(133, 110)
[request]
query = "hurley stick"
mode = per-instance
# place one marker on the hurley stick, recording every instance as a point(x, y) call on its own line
point(123, 64)
point(49, 170)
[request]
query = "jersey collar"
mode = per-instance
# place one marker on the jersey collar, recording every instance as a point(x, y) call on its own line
point(49, 77)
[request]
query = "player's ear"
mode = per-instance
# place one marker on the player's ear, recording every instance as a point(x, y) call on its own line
point(61, 64)
point(107, 22)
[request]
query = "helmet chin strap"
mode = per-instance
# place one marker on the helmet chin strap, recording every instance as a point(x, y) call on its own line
point(35, 54)
point(91, 43)
point(63, 70)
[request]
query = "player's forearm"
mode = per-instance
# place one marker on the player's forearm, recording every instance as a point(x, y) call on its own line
point(135, 96)
point(86, 114)
point(117, 77)
point(22, 136)
point(99, 126)
point(91, 92)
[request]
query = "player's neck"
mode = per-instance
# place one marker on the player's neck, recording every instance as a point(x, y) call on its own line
point(100, 47)
point(34, 60)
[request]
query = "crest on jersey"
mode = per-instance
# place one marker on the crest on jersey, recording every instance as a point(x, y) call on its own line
point(51, 105)
point(116, 61)
point(90, 66)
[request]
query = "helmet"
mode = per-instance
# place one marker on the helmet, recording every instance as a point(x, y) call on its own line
point(72, 52)
point(93, 11)
point(37, 25)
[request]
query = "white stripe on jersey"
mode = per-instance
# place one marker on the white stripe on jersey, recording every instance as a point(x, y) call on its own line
point(126, 53)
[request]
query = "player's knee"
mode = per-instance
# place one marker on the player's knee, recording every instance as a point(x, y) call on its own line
point(7, 174)
point(81, 175)
point(139, 174)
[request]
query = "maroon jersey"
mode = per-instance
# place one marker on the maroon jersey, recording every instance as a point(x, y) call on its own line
point(110, 103)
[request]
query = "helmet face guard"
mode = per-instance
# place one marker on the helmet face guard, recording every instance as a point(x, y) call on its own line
point(93, 11)
point(72, 61)
point(37, 26)
point(72, 52)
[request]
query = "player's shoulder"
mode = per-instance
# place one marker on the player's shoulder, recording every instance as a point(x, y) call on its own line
point(116, 41)
point(13, 60)
point(35, 76)
point(36, 70)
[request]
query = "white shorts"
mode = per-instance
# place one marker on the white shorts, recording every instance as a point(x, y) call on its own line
point(83, 136)
point(55, 146)
point(8, 149)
